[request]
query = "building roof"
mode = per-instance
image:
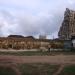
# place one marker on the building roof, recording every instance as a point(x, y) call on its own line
point(16, 36)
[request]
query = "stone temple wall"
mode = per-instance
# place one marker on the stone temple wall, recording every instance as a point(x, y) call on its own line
point(22, 43)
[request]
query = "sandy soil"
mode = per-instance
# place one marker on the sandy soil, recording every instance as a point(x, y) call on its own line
point(58, 59)
point(13, 67)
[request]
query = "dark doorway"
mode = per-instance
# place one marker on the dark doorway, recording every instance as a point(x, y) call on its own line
point(10, 46)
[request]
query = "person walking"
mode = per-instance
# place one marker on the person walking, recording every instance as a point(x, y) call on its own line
point(49, 47)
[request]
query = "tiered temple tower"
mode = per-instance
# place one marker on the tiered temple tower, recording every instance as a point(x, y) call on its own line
point(67, 29)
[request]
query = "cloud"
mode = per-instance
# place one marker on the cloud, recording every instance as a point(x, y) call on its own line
point(7, 23)
point(42, 23)
point(71, 1)
point(32, 17)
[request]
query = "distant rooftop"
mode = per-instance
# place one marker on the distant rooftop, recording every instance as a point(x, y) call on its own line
point(20, 36)
point(16, 36)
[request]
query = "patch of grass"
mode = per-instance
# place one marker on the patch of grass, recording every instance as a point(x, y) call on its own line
point(68, 70)
point(38, 69)
point(6, 71)
point(35, 53)
point(25, 53)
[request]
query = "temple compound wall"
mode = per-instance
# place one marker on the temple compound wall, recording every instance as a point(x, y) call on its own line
point(22, 43)
point(27, 43)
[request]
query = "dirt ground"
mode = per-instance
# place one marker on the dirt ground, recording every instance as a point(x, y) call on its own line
point(58, 59)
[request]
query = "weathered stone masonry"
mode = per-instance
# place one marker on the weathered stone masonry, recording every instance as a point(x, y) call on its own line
point(22, 43)
point(67, 30)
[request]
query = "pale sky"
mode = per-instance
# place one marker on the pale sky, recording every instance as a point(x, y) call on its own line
point(33, 17)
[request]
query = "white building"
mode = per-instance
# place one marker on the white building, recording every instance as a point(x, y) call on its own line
point(42, 36)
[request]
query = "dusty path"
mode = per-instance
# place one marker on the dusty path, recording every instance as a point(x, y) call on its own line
point(13, 67)
point(59, 59)
point(59, 70)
